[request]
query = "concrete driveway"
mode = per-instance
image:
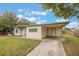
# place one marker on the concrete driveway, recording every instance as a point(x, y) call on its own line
point(49, 47)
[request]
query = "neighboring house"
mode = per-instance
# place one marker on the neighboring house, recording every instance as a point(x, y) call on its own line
point(40, 31)
point(72, 31)
point(77, 33)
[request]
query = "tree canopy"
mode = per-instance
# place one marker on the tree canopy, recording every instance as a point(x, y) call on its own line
point(65, 10)
point(9, 20)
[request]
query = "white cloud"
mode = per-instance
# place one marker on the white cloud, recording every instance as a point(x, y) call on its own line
point(29, 12)
point(41, 21)
point(73, 25)
point(20, 10)
point(20, 16)
point(62, 20)
point(34, 19)
point(39, 12)
point(44, 21)
point(31, 18)
point(39, 17)
point(32, 15)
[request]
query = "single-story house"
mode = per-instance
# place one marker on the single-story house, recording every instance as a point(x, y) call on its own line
point(40, 31)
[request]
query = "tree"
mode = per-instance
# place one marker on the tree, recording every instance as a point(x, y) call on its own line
point(65, 10)
point(9, 20)
point(24, 21)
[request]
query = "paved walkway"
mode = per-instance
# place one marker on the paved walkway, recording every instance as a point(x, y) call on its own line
point(48, 47)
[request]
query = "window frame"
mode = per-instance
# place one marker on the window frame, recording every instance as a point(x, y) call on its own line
point(32, 29)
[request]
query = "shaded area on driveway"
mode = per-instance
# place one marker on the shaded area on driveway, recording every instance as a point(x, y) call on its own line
point(49, 47)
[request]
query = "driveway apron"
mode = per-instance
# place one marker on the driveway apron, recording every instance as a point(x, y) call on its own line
point(49, 47)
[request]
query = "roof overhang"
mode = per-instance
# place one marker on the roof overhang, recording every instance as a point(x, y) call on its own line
point(52, 25)
point(56, 25)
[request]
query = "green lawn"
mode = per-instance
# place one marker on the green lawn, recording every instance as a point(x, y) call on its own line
point(12, 46)
point(71, 45)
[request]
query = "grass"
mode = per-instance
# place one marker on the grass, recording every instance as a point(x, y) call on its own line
point(71, 45)
point(12, 46)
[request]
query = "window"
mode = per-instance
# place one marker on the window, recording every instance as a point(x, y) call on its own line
point(16, 30)
point(33, 30)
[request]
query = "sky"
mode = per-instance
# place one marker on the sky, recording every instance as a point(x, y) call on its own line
point(35, 13)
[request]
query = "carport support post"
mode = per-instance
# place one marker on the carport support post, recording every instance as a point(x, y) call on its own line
point(47, 32)
point(55, 32)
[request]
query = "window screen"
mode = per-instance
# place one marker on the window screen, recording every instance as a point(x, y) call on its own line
point(33, 30)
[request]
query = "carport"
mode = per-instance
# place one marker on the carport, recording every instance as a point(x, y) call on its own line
point(53, 30)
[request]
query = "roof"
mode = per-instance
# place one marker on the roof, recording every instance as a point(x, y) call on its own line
point(59, 24)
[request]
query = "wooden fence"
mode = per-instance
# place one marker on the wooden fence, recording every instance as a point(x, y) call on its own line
point(3, 33)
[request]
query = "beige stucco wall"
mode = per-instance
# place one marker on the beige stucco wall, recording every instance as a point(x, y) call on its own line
point(18, 33)
point(44, 32)
point(40, 34)
point(58, 32)
point(34, 35)
point(23, 32)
